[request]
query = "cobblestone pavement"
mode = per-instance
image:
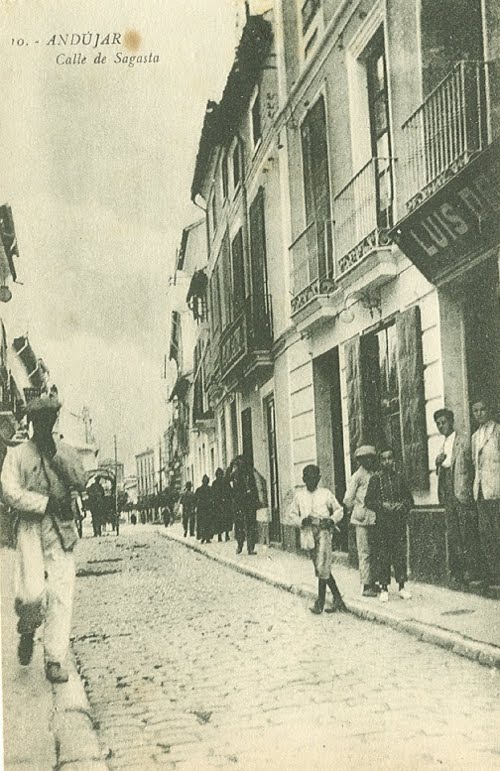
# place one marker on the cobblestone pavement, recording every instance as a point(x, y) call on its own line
point(191, 665)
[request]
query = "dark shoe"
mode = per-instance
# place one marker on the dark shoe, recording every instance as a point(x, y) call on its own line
point(185, 534)
point(317, 608)
point(219, 539)
point(55, 673)
point(227, 537)
point(25, 648)
point(340, 606)
point(252, 552)
point(239, 549)
point(369, 591)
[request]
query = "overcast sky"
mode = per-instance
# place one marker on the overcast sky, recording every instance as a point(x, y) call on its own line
point(96, 161)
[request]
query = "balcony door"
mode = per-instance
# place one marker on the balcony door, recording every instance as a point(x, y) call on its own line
point(260, 332)
point(451, 31)
point(272, 449)
point(317, 189)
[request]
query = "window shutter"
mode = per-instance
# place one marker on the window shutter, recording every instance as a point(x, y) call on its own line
point(355, 402)
point(412, 398)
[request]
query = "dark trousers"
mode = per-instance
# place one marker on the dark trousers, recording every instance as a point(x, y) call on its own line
point(245, 525)
point(489, 534)
point(390, 539)
point(188, 521)
point(462, 532)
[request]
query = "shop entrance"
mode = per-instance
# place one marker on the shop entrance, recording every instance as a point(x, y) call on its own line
point(481, 314)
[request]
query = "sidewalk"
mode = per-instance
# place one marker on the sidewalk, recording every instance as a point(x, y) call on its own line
point(44, 726)
point(465, 624)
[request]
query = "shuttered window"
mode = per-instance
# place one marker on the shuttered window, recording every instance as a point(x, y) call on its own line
point(238, 271)
point(261, 317)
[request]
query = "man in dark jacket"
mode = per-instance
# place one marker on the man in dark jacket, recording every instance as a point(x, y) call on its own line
point(245, 502)
point(389, 497)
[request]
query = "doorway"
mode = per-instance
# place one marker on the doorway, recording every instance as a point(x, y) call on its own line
point(272, 451)
point(329, 430)
point(247, 435)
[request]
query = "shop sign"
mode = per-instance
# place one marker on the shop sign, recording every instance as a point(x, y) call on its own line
point(461, 220)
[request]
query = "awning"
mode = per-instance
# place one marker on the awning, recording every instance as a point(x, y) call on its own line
point(198, 285)
point(180, 389)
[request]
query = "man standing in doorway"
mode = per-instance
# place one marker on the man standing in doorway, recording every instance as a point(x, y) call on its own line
point(454, 470)
point(38, 478)
point(363, 518)
point(486, 459)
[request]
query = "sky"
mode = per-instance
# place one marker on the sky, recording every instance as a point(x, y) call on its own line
point(96, 160)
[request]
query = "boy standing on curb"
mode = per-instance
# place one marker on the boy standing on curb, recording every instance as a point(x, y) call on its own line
point(363, 518)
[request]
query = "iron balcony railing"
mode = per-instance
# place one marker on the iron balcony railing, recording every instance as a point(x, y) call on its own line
point(363, 213)
point(251, 331)
point(312, 263)
point(446, 131)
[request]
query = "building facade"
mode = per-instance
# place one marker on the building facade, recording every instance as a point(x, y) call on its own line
point(350, 176)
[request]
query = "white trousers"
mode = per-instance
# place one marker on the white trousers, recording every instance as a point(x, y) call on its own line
point(45, 580)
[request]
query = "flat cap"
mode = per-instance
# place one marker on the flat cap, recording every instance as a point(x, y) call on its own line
point(364, 450)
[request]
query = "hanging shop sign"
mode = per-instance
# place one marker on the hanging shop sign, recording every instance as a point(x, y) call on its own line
point(458, 222)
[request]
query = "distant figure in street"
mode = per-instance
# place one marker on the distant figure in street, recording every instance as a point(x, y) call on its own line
point(38, 480)
point(245, 502)
point(97, 506)
point(455, 479)
point(188, 503)
point(204, 511)
point(133, 519)
point(221, 499)
point(363, 518)
point(486, 459)
point(166, 515)
point(389, 497)
point(317, 509)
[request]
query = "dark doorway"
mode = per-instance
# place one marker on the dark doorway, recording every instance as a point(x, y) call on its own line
point(482, 332)
point(329, 431)
point(246, 435)
point(234, 428)
point(272, 449)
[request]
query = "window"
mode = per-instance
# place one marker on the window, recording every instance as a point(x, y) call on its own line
point(309, 11)
point(238, 271)
point(211, 216)
point(378, 104)
point(317, 188)
point(225, 178)
point(256, 119)
point(236, 166)
point(261, 326)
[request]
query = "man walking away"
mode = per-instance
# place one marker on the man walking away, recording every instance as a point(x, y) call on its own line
point(187, 501)
point(204, 513)
point(454, 470)
point(389, 497)
point(221, 505)
point(486, 459)
point(245, 502)
point(363, 518)
point(318, 509)
point(38, 478)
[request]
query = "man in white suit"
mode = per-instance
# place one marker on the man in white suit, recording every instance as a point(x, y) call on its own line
point(486, 459)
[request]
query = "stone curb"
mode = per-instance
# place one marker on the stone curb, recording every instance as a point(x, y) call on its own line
point(77, 745)
point(484, 653)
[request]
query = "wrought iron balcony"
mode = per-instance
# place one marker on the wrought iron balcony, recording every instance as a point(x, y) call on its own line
point(363, 214)
point(312, 260)
point(448, 129)
point(246, 343)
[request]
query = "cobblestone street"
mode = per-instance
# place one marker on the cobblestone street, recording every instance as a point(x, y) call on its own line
point(189, 664)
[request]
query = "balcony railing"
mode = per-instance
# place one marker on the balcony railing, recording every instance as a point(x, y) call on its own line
point(363, 213)
point(312, 260)
point(446, 131)
point(250, 332)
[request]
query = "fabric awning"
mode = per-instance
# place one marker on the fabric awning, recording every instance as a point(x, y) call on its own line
point(180, 389)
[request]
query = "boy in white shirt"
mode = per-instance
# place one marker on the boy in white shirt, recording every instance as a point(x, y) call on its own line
point(317, 508)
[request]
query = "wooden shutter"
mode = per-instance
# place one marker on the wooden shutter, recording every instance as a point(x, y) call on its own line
point(355, 402)
point(412, 398)
point(238, 271)
point(258, 253)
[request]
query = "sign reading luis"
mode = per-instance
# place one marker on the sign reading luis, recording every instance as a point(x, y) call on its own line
point(458, 222)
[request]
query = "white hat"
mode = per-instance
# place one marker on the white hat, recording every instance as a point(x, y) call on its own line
point(364, 450)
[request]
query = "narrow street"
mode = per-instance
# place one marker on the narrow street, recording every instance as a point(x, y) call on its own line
point(189, 664)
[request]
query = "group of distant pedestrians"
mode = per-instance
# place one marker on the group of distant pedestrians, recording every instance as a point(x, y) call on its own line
point(230, 501)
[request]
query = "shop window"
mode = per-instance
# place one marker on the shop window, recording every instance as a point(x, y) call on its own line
point(385, 393)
